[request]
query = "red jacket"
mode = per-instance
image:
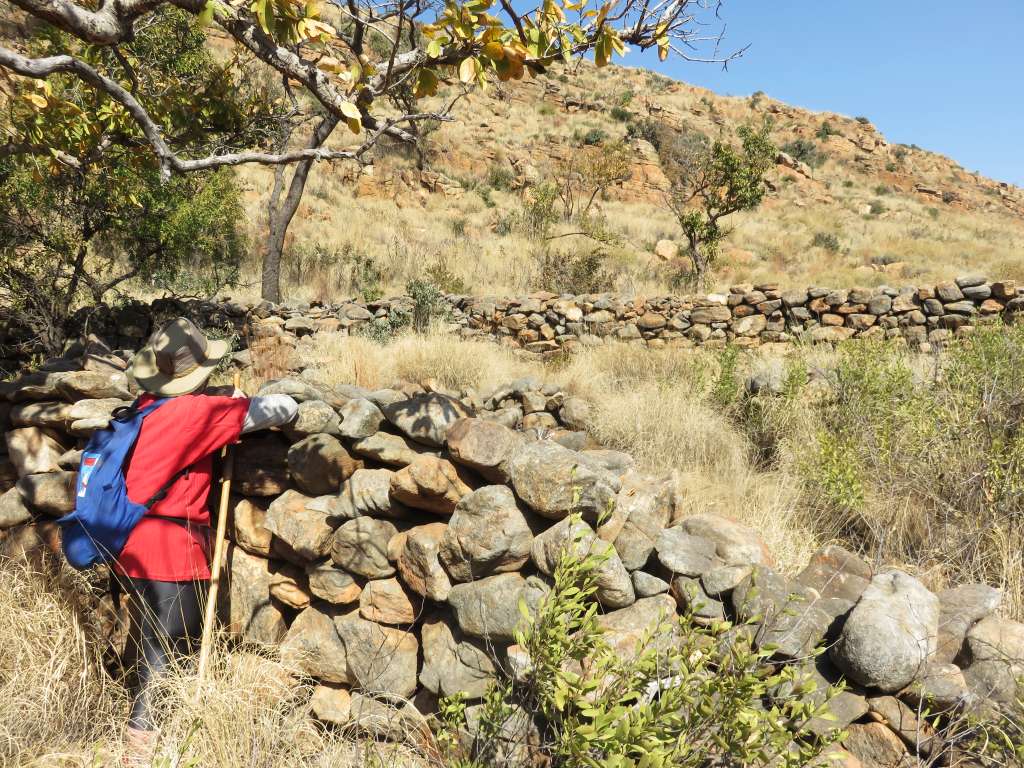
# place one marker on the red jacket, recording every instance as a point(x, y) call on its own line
point(183, 432)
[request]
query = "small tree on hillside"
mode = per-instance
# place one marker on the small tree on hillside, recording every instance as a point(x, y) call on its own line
point(588, 171)
point(711, 181)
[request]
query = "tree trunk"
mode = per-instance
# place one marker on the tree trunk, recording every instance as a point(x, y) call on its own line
point(700, 264)
point(281, 212)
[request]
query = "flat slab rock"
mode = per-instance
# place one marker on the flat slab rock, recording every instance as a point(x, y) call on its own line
point(426, 418)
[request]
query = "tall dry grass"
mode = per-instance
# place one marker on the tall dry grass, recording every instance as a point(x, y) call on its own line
point(59, 707)
point(651, 404)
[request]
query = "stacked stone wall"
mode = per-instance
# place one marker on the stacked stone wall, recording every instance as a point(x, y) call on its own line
point(545, 323)
point(384, 541)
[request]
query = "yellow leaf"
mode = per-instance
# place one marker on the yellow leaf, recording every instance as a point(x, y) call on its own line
point(494, 50)
point(36, 100)
point(426, 83)
point(351, 112)
point(468, 70)
point(354, 125)
point(330, 64)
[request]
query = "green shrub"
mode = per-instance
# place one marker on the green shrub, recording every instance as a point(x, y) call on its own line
point(687, 696)
point(546, 110)
point(922, 461)
point(882, 189)
point(877, 208)
point(573, 272)
point(594, 136)
point(621, 114)
point(933, 212)
point(428, 304)
point(863, 120)
point(847, 183)
point(825, 130)
point(825, 240)
point(646, 129)
point(459, 226)
point(806, 151)
point(500, 177)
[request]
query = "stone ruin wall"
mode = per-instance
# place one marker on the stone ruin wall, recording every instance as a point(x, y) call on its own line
point(545, 323)
point(385, 538)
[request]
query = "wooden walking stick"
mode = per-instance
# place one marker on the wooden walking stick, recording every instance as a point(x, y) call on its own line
point(215, 565)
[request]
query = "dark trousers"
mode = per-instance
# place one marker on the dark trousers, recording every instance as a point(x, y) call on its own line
point(166, 623)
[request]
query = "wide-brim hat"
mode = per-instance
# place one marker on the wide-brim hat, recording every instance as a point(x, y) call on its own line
point(177, 359)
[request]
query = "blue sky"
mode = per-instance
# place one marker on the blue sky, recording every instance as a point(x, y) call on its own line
point(946, 76)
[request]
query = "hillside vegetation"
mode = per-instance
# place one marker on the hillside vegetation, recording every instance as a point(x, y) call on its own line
point(845, 207)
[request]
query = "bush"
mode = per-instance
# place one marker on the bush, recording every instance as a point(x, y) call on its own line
point(621, 114)
point(687, 696)
point(647, 130)
point(882, 189)
point(805, 151)
point(921, 461)
point(863, 120)
point(546, 110)
point(500, 177)
point(459, 226)
point(825, 130)
point(441, 275)
point(569, 272)
point(594, 136)
point(428, 304)
point(877, 208)
point(825, 240)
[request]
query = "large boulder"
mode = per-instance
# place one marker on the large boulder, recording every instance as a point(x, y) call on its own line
point(387, 601)
point(380, 659)
point(333, 584)
point(429, 483)
point(453, 663)
point(960, 608)
point(387, 720)
point(485, 446)
point(360, 418)
point(248, 526)
point(288, 585)
point(303, 523)
point(735, 544)
point(312, 646)
point(426, 418)
point(652, 618)
point(644, 507)
point(996, 650)
point(360, 546)
point(572, 537)
point(261, 465)
point(92, 385)
point(419, 563)
point(554, 482)
point(368, 493)
point(331, 704)
point(393, 450)
point(49, 492)
point(788, 612)
point(246, 608)
point(890, 634)
point(87, 416)
point(487, 534)
point(684, 554)
point(13, 510)
point(313, 417)
point(319, 464)
point(33, 450)
point(489, 608)
point(55, 415)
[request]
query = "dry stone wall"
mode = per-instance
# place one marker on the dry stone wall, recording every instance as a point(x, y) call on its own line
point(545, 323)
point(384, 540)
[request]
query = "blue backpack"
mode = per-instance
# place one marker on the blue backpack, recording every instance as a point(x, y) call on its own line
point(96, 531)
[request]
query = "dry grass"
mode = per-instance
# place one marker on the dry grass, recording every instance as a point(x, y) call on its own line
point(927, 239)
point(652, 405)
point(59, 708)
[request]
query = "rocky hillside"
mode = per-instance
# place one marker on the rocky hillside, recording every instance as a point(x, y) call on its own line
point(845, 204)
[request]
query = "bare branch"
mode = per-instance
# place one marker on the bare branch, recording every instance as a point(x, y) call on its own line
point(113, 22)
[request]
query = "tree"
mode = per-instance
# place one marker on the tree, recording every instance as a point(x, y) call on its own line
point(587, 171)
point(94, 212)
point(351, 72)
point(711, 181)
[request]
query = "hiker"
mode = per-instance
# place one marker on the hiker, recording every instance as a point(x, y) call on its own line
point(164, 566)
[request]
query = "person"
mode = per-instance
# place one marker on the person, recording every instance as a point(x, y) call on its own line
point(163, 569)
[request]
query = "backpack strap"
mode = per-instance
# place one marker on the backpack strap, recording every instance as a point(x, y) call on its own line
point(162, 493)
